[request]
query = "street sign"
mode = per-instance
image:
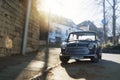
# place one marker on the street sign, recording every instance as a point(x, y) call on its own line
point(104, 22)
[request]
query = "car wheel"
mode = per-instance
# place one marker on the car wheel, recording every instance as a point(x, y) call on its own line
point(100, 57)
point(95, 59)
point(64, 59)
point(100, 54)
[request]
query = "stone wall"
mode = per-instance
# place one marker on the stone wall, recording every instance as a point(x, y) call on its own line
point(33, 32)
point(12, 22)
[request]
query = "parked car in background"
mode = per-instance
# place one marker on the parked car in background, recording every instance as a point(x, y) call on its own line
point(80, 45)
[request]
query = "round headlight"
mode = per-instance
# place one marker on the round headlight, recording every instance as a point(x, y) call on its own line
point(63, 45)
point(91, 46)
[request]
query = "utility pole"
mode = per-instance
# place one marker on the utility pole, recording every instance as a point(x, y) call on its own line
point(104, 21)
point(114, 22)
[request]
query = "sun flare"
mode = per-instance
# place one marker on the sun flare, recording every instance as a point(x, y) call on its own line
point(64, 8)
point(77, 10)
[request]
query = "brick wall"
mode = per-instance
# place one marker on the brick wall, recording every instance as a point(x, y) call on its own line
point(12, 21)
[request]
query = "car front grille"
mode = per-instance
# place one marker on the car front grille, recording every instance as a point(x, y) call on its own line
point(80, 50)
point(77, 45)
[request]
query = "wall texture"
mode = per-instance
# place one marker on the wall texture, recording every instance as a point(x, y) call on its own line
point(12, 23)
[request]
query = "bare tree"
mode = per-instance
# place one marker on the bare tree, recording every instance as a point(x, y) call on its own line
point(112, 15)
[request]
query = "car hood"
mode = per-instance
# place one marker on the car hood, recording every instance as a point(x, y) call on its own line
point(79, 43)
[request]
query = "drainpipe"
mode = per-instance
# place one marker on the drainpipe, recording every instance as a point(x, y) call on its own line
point(25, 33)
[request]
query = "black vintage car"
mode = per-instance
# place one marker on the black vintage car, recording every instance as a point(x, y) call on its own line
point(80, 45)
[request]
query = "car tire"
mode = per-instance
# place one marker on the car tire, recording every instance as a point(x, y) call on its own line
point(64, 59)
point(95, 59)
point(100, 57)
point(100, 54)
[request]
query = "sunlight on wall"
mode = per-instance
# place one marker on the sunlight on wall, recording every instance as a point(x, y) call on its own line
point(8, 42)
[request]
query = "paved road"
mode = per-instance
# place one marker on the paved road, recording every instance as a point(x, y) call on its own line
point(107, 69)
point(20, 67)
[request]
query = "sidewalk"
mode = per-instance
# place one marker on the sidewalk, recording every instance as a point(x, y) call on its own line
point(20, 67)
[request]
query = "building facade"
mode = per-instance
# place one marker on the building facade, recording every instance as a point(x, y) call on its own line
point(60, 29)
point(90, 26)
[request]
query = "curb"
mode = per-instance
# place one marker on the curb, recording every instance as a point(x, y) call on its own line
point(111, 51)
point(37, 77)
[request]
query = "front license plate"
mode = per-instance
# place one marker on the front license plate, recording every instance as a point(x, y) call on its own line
point(74, 57)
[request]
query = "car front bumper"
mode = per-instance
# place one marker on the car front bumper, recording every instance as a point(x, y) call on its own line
point(82, 52)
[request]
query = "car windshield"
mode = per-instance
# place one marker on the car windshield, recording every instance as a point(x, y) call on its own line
point(81, 37)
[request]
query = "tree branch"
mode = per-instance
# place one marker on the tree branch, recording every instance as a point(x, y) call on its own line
point(109, 3)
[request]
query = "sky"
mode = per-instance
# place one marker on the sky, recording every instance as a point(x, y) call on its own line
point(76, 10)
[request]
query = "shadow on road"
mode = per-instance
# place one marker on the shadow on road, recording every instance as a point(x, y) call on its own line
point(18, 67)
point(46, 58)
point(86, 70)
